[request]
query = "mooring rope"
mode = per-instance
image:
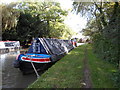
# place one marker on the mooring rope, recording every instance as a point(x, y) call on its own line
point(34, 67)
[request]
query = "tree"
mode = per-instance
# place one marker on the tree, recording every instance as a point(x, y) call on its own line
point(9, 16)
point(35, 19)
point(103, 27)
point(105, 33)
point(40, 19)
point(9, 21)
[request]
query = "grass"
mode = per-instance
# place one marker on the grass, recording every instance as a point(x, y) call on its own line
point(68, 72)
point(101, 71)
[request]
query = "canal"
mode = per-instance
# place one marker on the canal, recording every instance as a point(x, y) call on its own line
point(12, 77)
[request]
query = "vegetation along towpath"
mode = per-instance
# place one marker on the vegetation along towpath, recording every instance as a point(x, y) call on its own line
point(79, 69)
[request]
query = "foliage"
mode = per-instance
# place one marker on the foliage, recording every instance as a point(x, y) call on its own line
point(100, 70)
point(116, 78)
point(68, 72)
point(9, 34)
point(9, 16)
point(60, 30)
point(9, 21)
point(36, 19)
point(40, 19)
point(103, 28)
point(29, 27)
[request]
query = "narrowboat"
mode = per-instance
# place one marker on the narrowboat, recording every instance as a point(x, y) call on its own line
point(42, 53)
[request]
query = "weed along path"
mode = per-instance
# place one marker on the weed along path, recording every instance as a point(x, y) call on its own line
point(80, 68)
point(86, 71)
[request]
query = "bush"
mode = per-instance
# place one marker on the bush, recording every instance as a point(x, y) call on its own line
point(116, 78)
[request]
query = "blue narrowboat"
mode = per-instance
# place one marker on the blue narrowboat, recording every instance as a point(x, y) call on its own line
point(42, 53)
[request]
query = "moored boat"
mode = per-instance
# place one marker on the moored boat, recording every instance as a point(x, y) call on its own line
point(32, 57)
point(42, 53)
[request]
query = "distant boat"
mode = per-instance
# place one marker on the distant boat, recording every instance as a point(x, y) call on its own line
point(9, 46)
point(42, 53)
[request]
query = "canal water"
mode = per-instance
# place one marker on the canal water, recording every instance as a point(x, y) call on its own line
point(12, 77)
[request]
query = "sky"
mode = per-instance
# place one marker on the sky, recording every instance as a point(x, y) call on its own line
point(75, 22)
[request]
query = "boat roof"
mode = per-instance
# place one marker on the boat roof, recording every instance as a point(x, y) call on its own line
point(50, 46)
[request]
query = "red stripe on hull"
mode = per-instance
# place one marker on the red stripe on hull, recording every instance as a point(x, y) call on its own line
point(37, 60)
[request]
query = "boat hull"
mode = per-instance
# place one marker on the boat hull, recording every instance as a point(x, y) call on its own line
point(27, 68)
point(24, 63)
point(32, 57)
point(43, 53)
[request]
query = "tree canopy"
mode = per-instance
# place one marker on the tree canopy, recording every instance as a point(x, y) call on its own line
point(9, 16)
point(103, 27)
point(25, 20)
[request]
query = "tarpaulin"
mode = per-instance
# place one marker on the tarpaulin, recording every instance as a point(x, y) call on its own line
point(54, 47)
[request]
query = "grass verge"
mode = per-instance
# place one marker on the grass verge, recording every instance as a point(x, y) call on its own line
point(101, 71)
point(66, 73)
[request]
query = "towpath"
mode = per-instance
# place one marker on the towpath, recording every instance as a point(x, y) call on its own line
point(86, 71)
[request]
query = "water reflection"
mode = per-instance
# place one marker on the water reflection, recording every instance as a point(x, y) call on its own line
point(12, 77)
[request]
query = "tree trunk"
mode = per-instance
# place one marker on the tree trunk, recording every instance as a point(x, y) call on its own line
point(48, 28)
point(102, 14)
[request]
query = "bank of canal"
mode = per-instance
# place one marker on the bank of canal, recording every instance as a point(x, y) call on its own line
point(71, 70)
